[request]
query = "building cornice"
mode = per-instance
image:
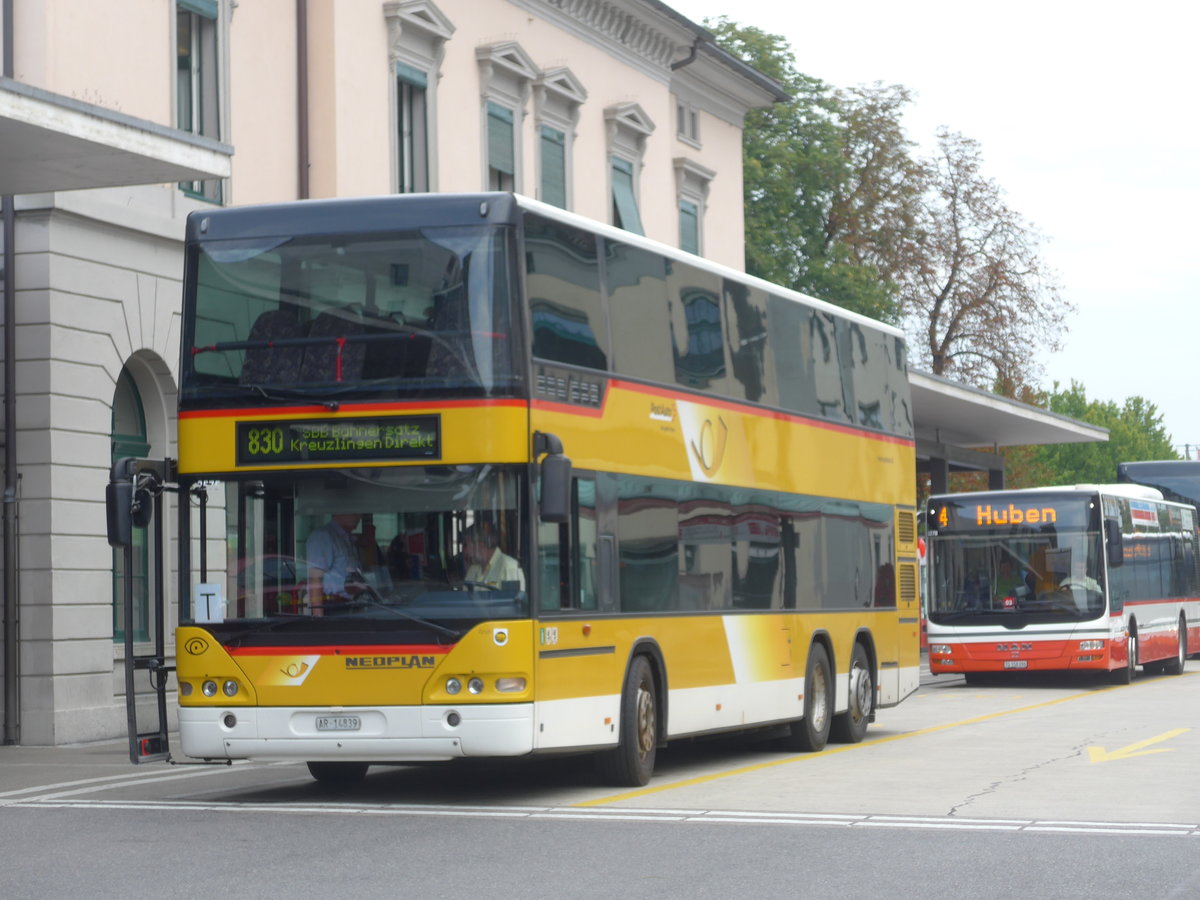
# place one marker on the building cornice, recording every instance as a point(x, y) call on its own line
point(631, 30)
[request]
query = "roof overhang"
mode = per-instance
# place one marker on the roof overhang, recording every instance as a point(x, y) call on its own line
point(53, 143)
point(948, 413)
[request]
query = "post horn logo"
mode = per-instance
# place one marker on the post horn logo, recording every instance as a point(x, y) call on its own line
point(710, 452)
point(196, 646)
point(295, 669)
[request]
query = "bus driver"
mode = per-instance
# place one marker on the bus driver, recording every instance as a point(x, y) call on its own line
point(486, 562)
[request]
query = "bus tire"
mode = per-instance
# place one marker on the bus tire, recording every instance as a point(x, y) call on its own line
point(631, 762)
point(1124, 675)
point(850, 727)
point(1176, 665)
point(338, 774)
point(810, 734)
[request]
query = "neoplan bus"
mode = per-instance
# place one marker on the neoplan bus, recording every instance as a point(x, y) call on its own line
point(700, 486)
point(1089, 577)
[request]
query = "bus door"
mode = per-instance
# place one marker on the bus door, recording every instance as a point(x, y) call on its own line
point(133, 501)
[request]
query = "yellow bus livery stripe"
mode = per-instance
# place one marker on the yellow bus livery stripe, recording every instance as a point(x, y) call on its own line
point(655, 432)
point(472, 430)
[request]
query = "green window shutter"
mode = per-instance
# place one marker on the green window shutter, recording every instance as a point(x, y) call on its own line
point(500, 139)
point(554, 167)
point(415, 77)
point(206, 8)
point(624, 198)
point(689, 227)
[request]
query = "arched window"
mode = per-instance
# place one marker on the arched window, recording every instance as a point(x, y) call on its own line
point(129, 439)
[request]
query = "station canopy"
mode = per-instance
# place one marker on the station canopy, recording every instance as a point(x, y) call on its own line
point(49, 142)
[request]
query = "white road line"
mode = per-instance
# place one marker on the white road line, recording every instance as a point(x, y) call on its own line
point(611, 814)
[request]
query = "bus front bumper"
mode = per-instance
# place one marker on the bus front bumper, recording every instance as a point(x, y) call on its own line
point(366, 734)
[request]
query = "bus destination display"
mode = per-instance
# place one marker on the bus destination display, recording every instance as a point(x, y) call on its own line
point(339, 440)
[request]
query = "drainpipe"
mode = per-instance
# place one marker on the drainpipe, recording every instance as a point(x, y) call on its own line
point(301, 96)
point(12, 694)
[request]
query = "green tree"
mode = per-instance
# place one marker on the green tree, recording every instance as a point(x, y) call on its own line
point(831, 188)
point(1135, 432)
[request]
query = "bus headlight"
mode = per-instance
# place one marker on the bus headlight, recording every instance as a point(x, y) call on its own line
point(1091, 645)
point(230, 688)
point(940, 649)
point(209, 689)
point(510, 685)
point(475, 685)
point(453, 685)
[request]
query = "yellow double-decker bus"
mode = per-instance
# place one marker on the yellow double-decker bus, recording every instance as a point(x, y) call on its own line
point(472, 476)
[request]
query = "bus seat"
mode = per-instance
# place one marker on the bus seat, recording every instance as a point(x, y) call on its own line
point(320, 362)
point(387, 356)
point(270, 364)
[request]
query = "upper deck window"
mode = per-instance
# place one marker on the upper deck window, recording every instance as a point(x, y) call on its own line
point(354, 315)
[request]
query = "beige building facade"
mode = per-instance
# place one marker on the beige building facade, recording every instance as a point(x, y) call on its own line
point(620, 110)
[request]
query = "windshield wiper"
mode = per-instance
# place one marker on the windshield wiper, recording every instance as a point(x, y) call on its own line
point(269, 625)
point(377, 602)
point(284, 395)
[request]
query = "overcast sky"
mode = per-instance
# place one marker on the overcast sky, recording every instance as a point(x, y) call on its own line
point(1087, 118)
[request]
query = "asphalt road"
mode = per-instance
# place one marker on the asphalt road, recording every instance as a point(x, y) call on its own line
point(1051, 787)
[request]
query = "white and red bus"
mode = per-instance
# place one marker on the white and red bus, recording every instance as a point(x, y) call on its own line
point(1065, 578)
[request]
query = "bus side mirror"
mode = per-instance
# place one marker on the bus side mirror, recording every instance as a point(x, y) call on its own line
point(555, 479)
point(126, 507)
point(1115, 541)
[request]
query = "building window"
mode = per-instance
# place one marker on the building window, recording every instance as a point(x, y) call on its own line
point(557, 98)
point(625, 206)
point(500, 155)
point(412, 142)
point(687, 123)
point(417, 35)
point(628, 127)
point(506, 76)
point(553, 167)
point(197, 80)
point(692, 181)
point(689, 227)
point(129, 438)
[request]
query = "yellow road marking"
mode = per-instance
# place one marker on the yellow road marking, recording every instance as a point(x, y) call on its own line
point(828, 751)
point(1099, 754)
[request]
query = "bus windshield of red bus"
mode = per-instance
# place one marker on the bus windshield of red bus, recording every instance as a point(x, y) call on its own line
point(360, 550)
point(287, 319)
point(1021, 578)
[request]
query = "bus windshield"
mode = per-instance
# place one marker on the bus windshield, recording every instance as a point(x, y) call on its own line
point(1016, 579)
point(326, 318)
point(432, 549)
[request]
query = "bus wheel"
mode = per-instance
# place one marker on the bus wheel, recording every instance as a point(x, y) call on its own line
point(850, 727)
point(1125, 675)
point(631, 762)
point(1175, 666)
point(338, 774)
point(810, 733)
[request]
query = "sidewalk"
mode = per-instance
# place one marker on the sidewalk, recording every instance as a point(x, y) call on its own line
point(27, 767)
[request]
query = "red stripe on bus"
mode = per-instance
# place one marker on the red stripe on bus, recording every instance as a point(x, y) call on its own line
point(720, 403)
point(339, 650)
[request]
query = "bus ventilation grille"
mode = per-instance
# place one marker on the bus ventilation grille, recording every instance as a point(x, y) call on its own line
point(906, 530)
point(908, 582)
